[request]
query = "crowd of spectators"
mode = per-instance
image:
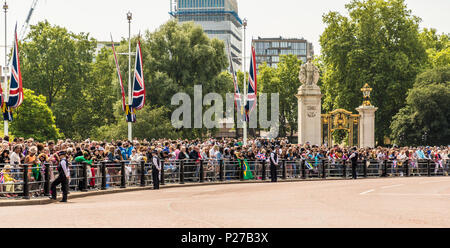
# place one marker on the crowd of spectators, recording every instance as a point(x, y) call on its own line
point(17, 152)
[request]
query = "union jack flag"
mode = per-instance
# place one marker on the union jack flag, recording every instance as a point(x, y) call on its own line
point(15, 85)
point(2, 178)
point(261, 156)
point(252, 87)
point(119, 76)
point(237, 93)
point(139, 83)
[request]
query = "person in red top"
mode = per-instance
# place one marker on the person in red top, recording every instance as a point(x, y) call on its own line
point(436, 156)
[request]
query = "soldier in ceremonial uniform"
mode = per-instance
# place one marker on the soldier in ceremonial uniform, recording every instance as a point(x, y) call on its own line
point(354, 159)
point(156, 169)
point(274, 164)
point(63, 177)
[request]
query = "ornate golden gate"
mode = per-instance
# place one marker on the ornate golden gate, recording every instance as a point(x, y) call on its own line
point(340, 119)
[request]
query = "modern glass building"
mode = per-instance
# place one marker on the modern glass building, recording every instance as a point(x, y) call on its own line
point(269, 49)
point(219, 19)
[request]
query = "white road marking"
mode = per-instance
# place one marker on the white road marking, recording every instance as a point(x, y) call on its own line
point(367, 192)
point(392, 186)
point(441, 181)
point(412, 194)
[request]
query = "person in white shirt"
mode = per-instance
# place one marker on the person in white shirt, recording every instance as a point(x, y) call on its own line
point(14, 158)
point(274, 164)
point(380, 157)
point(131, 168)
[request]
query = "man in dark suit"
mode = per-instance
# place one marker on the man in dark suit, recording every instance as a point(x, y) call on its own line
point(156, 169)
point(63, 177)
point(354, 159)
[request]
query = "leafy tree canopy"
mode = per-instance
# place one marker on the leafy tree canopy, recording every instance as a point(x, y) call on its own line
point(62, 66)
point(378, 44)
point(425, 120)
point(34, 119)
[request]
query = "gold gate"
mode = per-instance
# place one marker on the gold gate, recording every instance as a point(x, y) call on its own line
point(340, 119)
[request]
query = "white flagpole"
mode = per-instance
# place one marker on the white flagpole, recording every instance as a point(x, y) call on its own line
point(130, 96)
point(5, 78)
point(245, 81)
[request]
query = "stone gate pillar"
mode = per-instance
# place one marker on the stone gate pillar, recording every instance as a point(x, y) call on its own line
point(309, 114)
point(367, 126)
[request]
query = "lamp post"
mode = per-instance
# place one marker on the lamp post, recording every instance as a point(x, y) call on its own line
point(5, 77)
point(244, 23)
point(130, 97)
point(5, 8)
point(367, 122)
point(366, 90)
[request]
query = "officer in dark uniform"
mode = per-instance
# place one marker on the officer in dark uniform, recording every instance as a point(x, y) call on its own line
point(274, 164)
point(156, 169)
point(354, 159)
point(63, 177)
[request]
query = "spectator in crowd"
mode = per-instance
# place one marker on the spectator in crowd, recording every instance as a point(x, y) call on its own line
point(7, 180)
point(4, 157)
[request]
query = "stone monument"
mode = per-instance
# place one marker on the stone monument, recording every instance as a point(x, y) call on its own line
point(367, 121)
point(309, 105)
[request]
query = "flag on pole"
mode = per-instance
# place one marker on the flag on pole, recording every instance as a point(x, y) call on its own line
point(138, 86)
point(237, 93)
point(131, 114)
point(119, 76)
point(252, 87)
point(15, 84)
point(139, 83)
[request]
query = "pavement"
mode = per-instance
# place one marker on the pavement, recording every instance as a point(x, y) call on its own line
point(382, 202)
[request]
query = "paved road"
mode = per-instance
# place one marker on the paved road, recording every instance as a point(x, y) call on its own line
point(395, 202)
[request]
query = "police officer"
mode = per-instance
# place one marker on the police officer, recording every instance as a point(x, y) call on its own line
point(156, 169)
point(63, 177)
point(354, 159)
point(274, 164)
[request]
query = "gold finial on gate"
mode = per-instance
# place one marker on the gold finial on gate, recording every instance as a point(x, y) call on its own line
point(366, 90)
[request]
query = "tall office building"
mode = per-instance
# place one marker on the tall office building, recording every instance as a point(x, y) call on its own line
point(269, 49)
point(219, 19)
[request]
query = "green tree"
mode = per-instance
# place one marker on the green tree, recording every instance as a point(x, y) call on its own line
point(98, 97)
point(152, 123)
point(437, 46)
point(377, 44)
point(34, 119)
point(283, 80)
point(179, 56)
point(60, 65)
point(176, 58)
point(425, 120)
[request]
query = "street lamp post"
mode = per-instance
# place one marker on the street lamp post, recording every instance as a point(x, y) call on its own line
point(130, 97)
point(5, 76)
point(245, 85)
point(5, 7)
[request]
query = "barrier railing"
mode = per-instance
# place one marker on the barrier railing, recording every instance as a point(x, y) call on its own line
point(28, 181)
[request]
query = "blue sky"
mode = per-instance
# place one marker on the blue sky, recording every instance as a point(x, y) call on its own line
point(267, 18)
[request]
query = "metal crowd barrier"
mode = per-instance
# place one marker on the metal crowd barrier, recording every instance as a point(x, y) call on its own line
point(32, 180)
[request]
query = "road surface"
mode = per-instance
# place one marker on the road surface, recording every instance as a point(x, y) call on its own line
point(392, 202)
